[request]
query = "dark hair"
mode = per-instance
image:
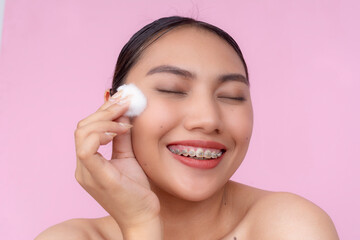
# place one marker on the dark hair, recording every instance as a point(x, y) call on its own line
point(133, 49)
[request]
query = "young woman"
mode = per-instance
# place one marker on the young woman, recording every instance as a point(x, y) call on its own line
point(196, 82)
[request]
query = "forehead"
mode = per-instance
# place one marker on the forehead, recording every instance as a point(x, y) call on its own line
point(193, 48)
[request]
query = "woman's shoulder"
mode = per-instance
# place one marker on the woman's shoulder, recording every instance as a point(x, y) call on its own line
point(89, 229)
point(283, 215)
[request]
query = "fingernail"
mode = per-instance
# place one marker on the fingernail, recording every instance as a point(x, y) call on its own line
point(117, 94)
point(114, 97)
point(110, 134)
point(125, 125)
point(122, 101)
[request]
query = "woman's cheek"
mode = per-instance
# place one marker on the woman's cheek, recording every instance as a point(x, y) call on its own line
point(161, 113)
point(239, 122)
point(158, 118)
point(149, 128)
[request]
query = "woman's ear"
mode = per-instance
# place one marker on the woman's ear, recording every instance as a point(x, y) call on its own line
point(106, 95)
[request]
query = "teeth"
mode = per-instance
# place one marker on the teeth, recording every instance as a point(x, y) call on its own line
point(199, 153)
point(207, 154)
point(184, 153)
point(192, 153)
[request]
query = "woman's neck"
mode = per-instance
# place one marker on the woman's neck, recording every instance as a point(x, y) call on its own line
point(193, 217)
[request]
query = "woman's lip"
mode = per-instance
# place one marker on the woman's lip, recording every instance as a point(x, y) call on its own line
point(199, 143)
point(202, 164)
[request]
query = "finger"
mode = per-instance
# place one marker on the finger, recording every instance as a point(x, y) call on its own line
point(106, 131)
point(87, 151)
point(122, 147)
point(83, 175)
point(97, 178)
point(113, 111)
point(114, 98)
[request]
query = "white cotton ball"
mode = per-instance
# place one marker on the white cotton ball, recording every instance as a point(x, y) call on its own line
point(137, 99)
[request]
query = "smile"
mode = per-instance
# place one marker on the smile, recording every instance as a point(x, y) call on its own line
point(197, 153)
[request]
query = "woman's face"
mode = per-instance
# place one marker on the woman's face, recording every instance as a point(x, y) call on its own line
point(192, 80)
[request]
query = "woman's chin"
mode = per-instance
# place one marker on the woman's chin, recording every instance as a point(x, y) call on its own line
point(189, 191)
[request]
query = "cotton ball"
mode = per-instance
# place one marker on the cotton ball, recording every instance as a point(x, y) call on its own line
point(137, 99)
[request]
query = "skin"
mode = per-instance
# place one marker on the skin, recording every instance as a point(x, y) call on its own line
point(161, 198)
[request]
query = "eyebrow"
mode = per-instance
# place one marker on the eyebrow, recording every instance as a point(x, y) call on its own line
point(186, 74)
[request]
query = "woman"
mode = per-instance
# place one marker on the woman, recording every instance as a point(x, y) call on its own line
point(196, 82)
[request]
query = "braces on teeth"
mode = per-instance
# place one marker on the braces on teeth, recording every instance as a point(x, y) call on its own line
point(198, 154)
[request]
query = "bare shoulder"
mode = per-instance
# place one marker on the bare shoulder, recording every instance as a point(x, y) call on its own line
point(281, 215)
point(70, 229)
point(90, 229)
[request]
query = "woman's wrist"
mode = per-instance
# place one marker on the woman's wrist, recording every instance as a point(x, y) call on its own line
point(151, 230)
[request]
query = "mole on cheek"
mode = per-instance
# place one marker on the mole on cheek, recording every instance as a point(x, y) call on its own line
point(161, 126)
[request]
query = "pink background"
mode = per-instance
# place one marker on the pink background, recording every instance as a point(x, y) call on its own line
point(57, 59)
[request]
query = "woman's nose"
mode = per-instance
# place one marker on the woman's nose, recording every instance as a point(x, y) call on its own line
point(203, 114)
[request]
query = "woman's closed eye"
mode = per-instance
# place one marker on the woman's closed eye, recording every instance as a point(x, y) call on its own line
point(240, 99)
point(169, 91)
point(183, 93)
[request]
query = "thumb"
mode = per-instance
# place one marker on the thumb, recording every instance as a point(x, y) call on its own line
point(122, 147)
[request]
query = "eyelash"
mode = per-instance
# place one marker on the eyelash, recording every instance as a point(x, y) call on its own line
point(171, 92)
point(241, 99)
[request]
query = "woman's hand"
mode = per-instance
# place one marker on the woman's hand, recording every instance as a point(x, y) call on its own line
point(119, 185)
